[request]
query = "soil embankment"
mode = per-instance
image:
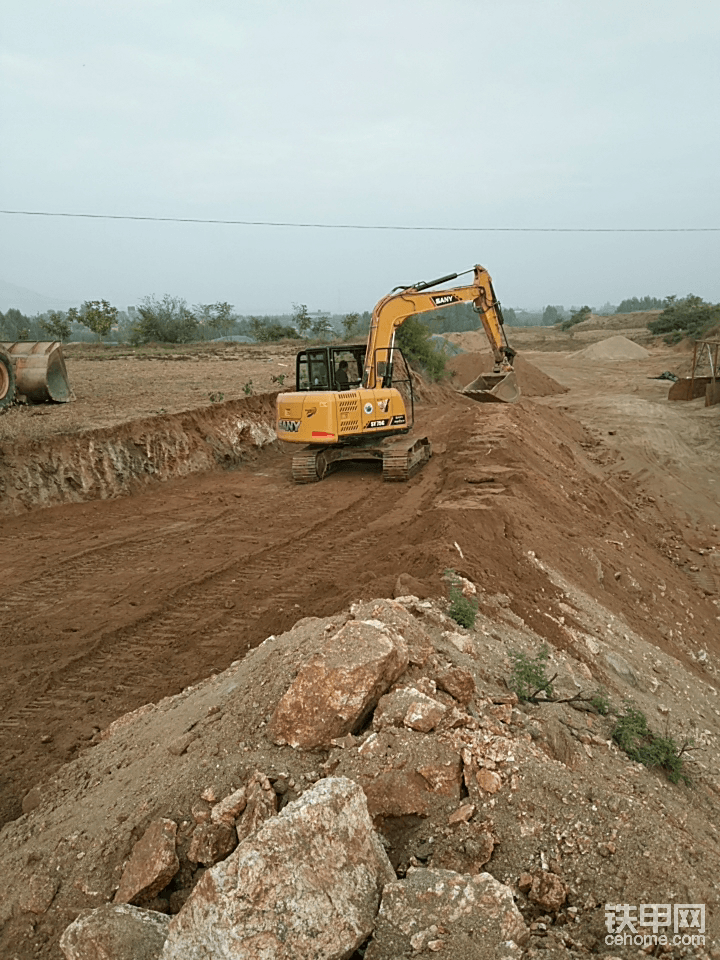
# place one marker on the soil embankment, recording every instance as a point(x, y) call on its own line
point(115, 461)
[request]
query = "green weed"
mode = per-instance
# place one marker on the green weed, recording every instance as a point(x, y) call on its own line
point(633, 735)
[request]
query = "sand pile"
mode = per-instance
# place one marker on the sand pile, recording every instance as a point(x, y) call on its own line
point(533, 382)
point(614, 348)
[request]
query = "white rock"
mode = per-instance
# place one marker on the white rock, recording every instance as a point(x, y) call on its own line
point(305, 886)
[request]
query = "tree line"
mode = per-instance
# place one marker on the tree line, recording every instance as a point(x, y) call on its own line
point(171, 320)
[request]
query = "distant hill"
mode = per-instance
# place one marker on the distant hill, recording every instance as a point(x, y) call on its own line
point(28, 301)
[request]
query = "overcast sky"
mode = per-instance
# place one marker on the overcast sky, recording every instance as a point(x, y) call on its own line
point(460, 113)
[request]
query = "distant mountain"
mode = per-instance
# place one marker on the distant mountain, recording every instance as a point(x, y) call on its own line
point(28, 301)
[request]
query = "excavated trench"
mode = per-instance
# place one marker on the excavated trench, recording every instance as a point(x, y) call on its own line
point(110, 462)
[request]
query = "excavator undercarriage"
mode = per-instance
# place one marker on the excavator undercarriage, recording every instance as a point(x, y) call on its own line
point(400, 458)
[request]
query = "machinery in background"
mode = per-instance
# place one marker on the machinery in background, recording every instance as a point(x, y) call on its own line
point(33, 370)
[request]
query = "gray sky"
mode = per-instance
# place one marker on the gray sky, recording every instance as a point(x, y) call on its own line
point(462, 113)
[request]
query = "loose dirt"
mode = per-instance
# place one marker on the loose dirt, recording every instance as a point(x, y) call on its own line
point(109, 605)
point(534, 383)
point(614, 348)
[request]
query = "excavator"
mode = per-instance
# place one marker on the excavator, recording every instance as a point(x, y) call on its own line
point(34, 370)
point(350, 402)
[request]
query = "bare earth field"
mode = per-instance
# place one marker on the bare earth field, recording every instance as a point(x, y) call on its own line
point(163, 574)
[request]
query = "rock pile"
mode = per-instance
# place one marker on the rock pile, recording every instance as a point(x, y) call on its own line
point(366, 782)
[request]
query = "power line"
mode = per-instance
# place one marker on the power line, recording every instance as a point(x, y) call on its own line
point(363, 226)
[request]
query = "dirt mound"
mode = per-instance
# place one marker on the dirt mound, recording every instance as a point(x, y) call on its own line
point(614, 348)
point(533, 382)
point(458, 775)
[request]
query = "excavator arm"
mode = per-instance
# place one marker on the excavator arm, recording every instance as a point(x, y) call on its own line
point(392, 310)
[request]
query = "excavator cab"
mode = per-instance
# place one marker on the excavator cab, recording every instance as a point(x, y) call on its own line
point(319, 368)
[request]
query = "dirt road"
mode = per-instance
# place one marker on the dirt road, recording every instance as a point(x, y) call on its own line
point(105, 606)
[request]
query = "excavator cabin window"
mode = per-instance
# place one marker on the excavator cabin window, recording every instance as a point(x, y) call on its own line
point(323, 368)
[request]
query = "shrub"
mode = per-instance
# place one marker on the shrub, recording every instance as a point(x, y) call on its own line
point(413, 338)
point(529, 675)
point(265, 330)
point(637, 740)
point(461, 609)
point(169, 320)
point(578, 317)
point(689, 317)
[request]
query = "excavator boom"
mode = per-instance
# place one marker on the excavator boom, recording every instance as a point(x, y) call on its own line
point(395, 308)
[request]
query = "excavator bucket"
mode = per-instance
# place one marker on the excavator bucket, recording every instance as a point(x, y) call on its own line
point(39, 368)
point(494, 388)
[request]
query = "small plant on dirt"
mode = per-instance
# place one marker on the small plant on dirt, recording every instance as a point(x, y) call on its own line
point(633, 735)
point(280, 378)
point(461, 609)
point(600, 701)
point(529, 676)
point(216, 397)
point(248, 388)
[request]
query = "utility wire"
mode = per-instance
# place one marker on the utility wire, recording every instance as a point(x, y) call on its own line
point(362, 226)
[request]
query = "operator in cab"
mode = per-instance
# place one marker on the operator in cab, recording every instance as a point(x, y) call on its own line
point(341, 376)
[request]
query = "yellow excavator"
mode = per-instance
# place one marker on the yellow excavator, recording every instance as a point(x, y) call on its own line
point(351, 401)
point(33, 370)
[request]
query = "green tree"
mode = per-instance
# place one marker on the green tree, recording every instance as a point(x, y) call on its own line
point(351, 322)
point(301, 318)
point(16, 325)
point(633, 304)
point(321, 327)
point(578, 317)
point(98, 316)
point(413, 338)
point(169, 320)
point(216, 317)
point(56, 324)
point(550, 316)
point(690, 316)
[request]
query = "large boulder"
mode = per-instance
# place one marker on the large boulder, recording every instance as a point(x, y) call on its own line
point(333, 694)
point(152, 864)
point(305, 886)
point(119, 932)
point(449, 913)
point(404, 772)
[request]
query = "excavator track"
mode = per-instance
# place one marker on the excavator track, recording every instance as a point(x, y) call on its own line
point(402, 460)
point(309, 466)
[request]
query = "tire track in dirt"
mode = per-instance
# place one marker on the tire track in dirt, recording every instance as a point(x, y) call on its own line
point(270, 574)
